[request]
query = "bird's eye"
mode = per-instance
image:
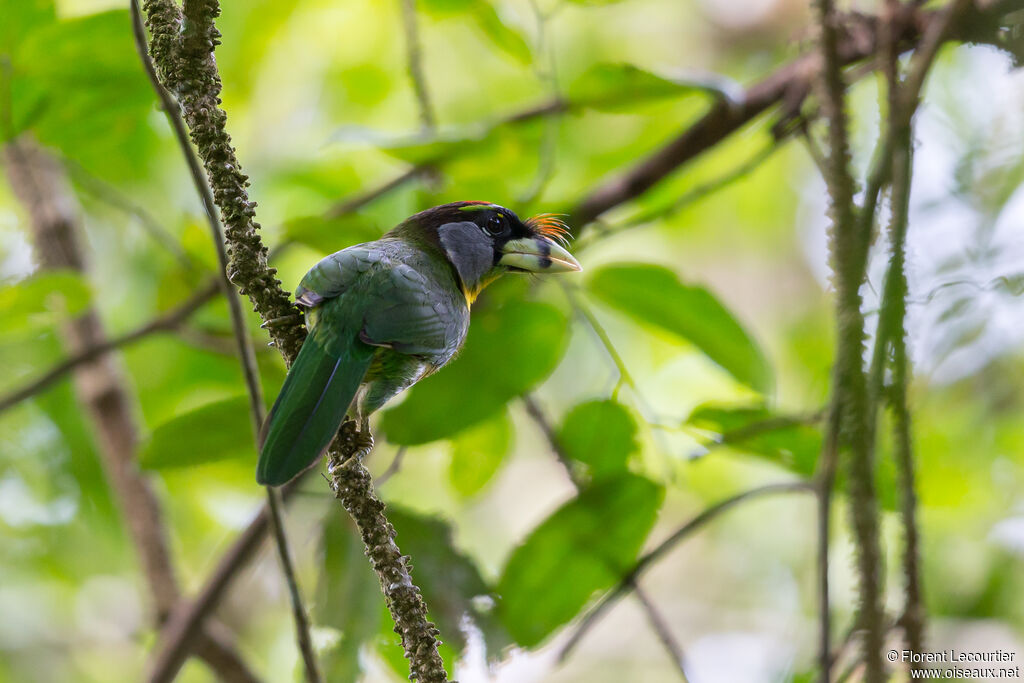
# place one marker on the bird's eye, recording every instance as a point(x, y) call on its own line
point(496, 225)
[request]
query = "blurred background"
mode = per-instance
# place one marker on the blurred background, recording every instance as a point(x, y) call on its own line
point(704, 306)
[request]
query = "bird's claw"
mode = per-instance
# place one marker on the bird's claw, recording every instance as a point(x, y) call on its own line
point(275, 322)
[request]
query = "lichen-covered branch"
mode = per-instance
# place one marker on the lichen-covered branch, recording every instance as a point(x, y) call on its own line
point(243, 344)
point(353, 486)
point(181, 46)
point(182, 49)
point(848, 255)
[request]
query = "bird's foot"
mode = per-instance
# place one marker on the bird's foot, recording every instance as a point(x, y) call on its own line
point(356, 441)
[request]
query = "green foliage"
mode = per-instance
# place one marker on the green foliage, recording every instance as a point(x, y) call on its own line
point(489, 372)
point(587, 545)
point(328, 235)
point(217, 431)
point(477, 453)
point(43, 299)
point(655, 296)
point(487, 20)
point(452, 585)
point(793, 442)
point(348, 598)
point(77, 84)
point(599, 434)
point(622, 87)
point(321, 108)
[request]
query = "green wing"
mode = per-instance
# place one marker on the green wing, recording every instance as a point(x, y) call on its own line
point(328, 370)
point(362, 297)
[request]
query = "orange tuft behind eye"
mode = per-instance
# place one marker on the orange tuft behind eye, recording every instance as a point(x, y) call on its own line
point(550, 225)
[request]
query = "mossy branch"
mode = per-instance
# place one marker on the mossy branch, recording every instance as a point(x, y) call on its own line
point(182, 47)
point(851, 406)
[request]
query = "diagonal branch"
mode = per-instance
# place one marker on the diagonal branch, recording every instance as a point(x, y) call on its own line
point(167, 322)
point(246, 353)
point(787, 86)
point(627, 583)
point(414, 63)
point(186, 67)
point(41, 185)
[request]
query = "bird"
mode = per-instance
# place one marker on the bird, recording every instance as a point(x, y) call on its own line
point(385, 314)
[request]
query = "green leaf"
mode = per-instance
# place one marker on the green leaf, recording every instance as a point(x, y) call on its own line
point(450, 581)
point(78, 84)
point(792, 442)
point(348, 597)
point(655, 296)
point(586, 546)
point(217, 431)
point(616, 87)
point(21, 17)
point(599, 434)
point(504, 37)
point(487, 19)
point(509, 351)
point(478, 452)
point(43, 298)
point(325, 234)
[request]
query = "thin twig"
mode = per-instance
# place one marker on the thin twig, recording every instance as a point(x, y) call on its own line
point(167, 322)
point(661, 629)
point(414, 63)
point(537, 414)
point(627, 582)
point(396, 464)
point(759, 427)
point(246, 352)
point(111, 195)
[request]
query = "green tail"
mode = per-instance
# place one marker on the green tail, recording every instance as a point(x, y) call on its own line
point(310, 409)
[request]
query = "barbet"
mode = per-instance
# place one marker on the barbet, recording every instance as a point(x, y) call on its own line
point(385, 314)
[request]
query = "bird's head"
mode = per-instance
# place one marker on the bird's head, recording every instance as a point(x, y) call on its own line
point(483, 240)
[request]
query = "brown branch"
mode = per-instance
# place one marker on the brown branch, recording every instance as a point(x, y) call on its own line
point(787, 86)
point(186, 67)
point(168, 322)
point(188, 617)
point(627, 582)
point(41, 185)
